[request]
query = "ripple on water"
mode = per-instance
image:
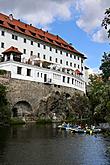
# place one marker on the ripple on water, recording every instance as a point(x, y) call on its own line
point(44, 145)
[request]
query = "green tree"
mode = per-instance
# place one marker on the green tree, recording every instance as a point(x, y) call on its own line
point(105, 66)
point(80, 106)
point(94, 88)
point(4, 106)
point(106, 21)
point(99, 98)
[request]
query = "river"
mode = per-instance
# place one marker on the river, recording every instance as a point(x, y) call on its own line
point(46, 145)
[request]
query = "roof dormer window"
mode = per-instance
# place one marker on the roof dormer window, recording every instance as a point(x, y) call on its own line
point(11, 25)
point(21, 29)
point(1, 22)
point(32, 33)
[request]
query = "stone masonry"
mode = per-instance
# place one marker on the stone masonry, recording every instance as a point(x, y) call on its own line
point(21, 91)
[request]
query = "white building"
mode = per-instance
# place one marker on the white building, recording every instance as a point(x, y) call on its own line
point(35, 55)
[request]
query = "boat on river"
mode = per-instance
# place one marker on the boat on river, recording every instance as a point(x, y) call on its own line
point(78, 129)
point(65, 126)
point(90, 131)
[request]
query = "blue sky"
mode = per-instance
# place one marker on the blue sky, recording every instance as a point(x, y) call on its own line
point(76, 21)
point(81, 41)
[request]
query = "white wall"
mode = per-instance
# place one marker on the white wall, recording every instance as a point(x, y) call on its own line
point(8, 42)
point(55, 76)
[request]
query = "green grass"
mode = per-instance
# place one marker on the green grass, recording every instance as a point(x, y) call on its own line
point(16, 120)
point(43, 121)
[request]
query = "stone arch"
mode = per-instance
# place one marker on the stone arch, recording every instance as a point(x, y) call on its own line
point(21, 108)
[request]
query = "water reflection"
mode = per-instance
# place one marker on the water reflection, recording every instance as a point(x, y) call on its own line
point(46, 145)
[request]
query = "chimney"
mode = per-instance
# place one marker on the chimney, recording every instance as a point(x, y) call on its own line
point(11, 17)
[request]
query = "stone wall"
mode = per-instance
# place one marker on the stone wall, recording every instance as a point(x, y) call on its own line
point(32, 93)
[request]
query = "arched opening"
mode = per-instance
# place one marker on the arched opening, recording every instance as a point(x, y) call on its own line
point(21, 109)
point(14, 111)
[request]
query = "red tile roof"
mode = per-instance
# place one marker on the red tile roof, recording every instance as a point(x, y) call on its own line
point(29, 30)
point(12, 50)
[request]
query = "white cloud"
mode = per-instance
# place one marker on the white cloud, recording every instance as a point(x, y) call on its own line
point(100, 36)
point(40, 12)
point(90, 13)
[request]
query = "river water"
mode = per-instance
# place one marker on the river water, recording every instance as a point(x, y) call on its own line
point(46, 145)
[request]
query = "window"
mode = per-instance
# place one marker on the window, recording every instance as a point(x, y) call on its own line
point(68, 79)
point(44, 57)
point(74, 65)
point(24, 40)
point(67, 54)
point(60, 61)
point(68, 71)
point(41, 75)
point(60, 52)
point(63, 78)
point(31, 53)
point(2, 45)
point(50, 48)
point(70, 55)
point(28, 72)
point(78, 66)
point(19, 69)
point(66, 62)
point(44, 46)
point(56, 60)
point(14, 37)
point(72, 80)
point(50, 58)
point(24, 51)
point(78, 57)
point(31, 42)
point(39, 45)
point(38, 55)
point(2, 33)
point(56, 50)
point(82, 68)
point(37, 74)
point(74, 57)
point(70, 63)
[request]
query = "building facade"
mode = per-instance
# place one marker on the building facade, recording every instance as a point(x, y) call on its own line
point(36, 55)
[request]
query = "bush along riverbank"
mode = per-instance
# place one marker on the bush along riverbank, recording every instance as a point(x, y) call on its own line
point(5, 113)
